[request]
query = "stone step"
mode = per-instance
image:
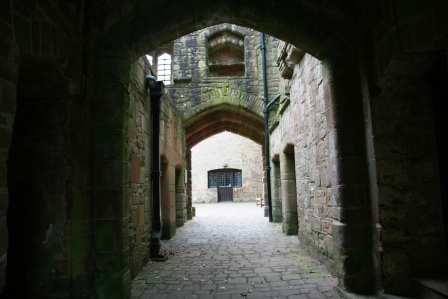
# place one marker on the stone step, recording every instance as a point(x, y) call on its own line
point(432, 286)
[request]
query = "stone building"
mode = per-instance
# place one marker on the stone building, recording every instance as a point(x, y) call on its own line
point(236, 157)
point(96, 161)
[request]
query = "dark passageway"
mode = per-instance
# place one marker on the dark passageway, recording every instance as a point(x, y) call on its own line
point(362, 83)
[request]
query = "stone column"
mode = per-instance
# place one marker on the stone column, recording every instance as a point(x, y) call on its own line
point(351, 231)
point(289, 193)
point(189, 188)
point(168, 201)
point(276, 193)
point(111, 190)
point(181, 197)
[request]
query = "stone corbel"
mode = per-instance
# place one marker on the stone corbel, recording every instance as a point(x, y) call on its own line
point(289, 57)
point(294, 54)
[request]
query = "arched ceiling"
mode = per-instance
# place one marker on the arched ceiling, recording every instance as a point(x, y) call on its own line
point(318, 27)
point(221, 119)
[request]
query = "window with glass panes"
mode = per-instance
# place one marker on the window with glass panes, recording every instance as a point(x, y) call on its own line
point(164, 68)
point(225, 177)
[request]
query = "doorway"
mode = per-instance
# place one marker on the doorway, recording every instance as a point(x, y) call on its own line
point(225, 180)
point(225, 189)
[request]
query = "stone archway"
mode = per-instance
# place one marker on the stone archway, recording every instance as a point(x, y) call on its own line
point(115, 36)
point(220, 119)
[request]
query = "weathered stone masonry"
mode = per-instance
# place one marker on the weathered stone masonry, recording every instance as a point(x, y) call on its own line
point(300, 143)
point(65, 124)
point(234, 151)
point(173, 165)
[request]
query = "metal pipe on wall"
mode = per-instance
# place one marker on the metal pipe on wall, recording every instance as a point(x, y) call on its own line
point(156, 93)
point(266, 124)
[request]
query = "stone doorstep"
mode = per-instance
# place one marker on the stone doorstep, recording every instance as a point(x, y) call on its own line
point(438, 286)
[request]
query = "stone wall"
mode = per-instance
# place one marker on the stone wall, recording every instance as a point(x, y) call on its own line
point(8, 82)
point(66, 67)
point(300, 150)
point(235, 151)
point(406, 170)
point(173, 153)
point(140, 209)
point(194, 90)
point(49, 197)
point(405, 149)
point(173, 165)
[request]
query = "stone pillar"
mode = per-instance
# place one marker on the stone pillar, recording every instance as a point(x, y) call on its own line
point(349, 192)
point(289, 193)
point(181, 197)
point(277, 216)
point(168, 201)
point(189, 188)
point(111, 190)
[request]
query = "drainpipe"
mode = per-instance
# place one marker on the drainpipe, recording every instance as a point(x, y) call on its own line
point(266, 134)
point(156, 93)
point(266, 147)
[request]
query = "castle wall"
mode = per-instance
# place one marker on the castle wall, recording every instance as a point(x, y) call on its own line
point(172, 154)
point(235, 151)
point(300, 136)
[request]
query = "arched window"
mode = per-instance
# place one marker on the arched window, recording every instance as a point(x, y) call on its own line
point(164, 68)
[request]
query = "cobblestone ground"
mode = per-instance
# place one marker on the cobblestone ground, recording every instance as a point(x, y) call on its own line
point(230, 250)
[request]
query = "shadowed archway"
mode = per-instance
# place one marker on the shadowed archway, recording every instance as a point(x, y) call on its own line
point(113, 36)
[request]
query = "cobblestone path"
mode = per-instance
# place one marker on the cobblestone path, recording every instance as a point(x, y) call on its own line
point(230, 250)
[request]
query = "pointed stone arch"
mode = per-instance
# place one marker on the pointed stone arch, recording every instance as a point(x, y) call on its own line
point(220, 119)
point(320, 31)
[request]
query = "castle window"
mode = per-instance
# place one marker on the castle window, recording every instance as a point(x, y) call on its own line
point(225, 177)
point(164, 68)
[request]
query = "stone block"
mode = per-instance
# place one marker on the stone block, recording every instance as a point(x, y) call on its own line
point(132, 131)
point(110, 235)
point(111, 174)
point(111, 151)
point(135, 217)
point(138, 236)
point(141, 215)
point(326, 225)
point(111, 204)
point(348, 171)
point(348, 215)
point(347, 235)
point(348, 196)
point(135, 169)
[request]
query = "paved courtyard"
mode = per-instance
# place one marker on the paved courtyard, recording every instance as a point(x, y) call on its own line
point(230, 250)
